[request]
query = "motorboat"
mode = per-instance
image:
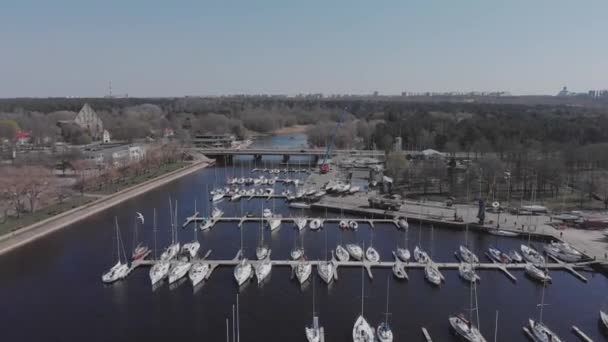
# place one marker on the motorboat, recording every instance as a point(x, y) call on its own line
point(371, 254)
point(266, 213)
point(467, 272)
point(300, 223)
point(326, 271)
point(198, 272)
point(216, 213)
point(465, 255)
point(179, 270)
point(403, 254)
point(303, 271)
point(343, 224)
point(316, 224)
point(342, 253)
point(191, 248)
point(170, 252)
point(355, 251)
point(466, 329)
point(353, 224)
point(274, 222)
point(402, 223)
point(243, 272)
point(362, 331)
point(271, 181)
point(541, 333)
point(497, 255)
point(399, 271)
point(217, 196)
point(432, 274)
point(262, 269)
point(515, 257)
point(531, 255)
point(421, 256)
point(537, 273)
point(159, 271)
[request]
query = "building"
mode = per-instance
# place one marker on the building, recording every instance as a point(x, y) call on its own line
point(90, 122)
point(214, 140)
point(115, 155)
point(106, 137)
point(22, 138)
point(398, 144)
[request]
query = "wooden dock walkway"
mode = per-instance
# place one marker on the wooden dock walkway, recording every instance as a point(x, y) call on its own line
point(197, 218)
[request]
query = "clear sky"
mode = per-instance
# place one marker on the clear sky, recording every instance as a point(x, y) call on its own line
point(176, 48)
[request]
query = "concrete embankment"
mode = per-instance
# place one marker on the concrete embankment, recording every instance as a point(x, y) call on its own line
point(24, 235)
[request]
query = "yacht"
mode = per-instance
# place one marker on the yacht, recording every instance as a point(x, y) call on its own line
point(352, 224)
point(159, 271)
point(206, 224)
point(326, 271)
point(262, 251)
point(170, 252)
point(399, 270)
point(538, 331)
point(403, 253)
point(216, 213)
point(467, 272)
point(371, 254)
point(355, 251)
point(179, 270)
point(342, 253)
point(384, 332)
point(466, 329)
point(531, 255)
point(316, 224)
point(420, 256)
point(274, 222)
point(120, 269)
point(191, 248)
point(432, 274)
point(303, 271)
point(217, 196)
point(242, 272)
point(563, 251)
point(515, 257)
point(497, 255)
point(465, 255)
point(262, 269)
point(300, 223)
point(198, 272)
point(536, 273)
point(362, 331)
point(402, 223)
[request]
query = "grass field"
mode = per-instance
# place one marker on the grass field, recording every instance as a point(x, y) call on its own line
point(130, 181)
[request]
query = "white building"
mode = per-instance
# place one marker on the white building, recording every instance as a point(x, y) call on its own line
point(106, 137)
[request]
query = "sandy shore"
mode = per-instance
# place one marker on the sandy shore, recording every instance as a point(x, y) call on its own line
point(292, 129)
point(37, 230)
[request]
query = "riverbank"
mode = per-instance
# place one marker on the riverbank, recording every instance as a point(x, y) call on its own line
point(37, 230)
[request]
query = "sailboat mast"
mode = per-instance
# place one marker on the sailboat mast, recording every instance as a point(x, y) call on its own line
point(362, 290)
point(542, 304)
point(233, 325)
point(154, 226)
point(227, 331)
point(238, 321)
point(117, 239)
point(171, 219)
point(387, 295)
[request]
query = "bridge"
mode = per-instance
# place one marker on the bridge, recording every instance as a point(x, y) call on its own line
point(257, 153)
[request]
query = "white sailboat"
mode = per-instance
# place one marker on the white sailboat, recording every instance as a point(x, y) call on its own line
point(465, 255)
point(384, 332)
point(431, 271)
point(536, 273)
point(191, 248)
point(198, 272)
point(362, 331)
point(303, 268)
point(120, 269)
point(403, 253)
point(539, 331)
point(531, 255)
point(300, 223)
point(352, 224)
point(326, 268)
point(262, 269)
point(173, 249)
point(297, 252)
point(179, 270)
point(371, 253)
point(355, 251)
point(467, 272)
point(604, 318)
point(216, 213)
point(243, 270)
point(402, 223)
point(420, 256)
point(262, 251)
point(314, 333)
point(465, 328)
point(160, 269)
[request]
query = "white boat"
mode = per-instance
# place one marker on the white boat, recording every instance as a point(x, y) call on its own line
point(420, 256)
point(120, 269)
point(262, 251)
point(296, 253)
point(303, 271)
point(355, 251)
point(236, 196)
point(326, 271)
point(466, 329)
point(262, 270)
point(206, 224)
point(243, 272)
point(299, 205)
point(403, 254)
point(274, 222)
point(218, 196)
point(300, 223)
point(563, 252)
point(362, 331)
point(241, 181)
point(604, 318)
point(531, 255)
point(216, 213)
point(536, 273)
point(354, 189)
point(384, 332)
point(159, 271)
point(402, 223)
point(541, 333)
point(353, 224)
point(266, 213)
point(432, 274)
point(399, 271)
point(198, 272)
point(179, 270)
point(271, 181)
point(498, 256)
point(502, 232)
point(314, 333)
point(343, 224)
point(465, 255)
point(371, 254)
point(467, 272)
point(342, 253)
point(191, 248)
point(515, 257)
point(316, 224)
point(170, 252)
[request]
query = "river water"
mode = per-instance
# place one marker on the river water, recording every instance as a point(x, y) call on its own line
point(51, 289)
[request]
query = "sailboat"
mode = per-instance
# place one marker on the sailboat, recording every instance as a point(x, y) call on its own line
point(303, 268)
point(316, 224)
point(563, 251)
point(297, 251)
point(140, 252)
point(403, 253)
point(464, 253)
point(604, 318)
point(262, 251)
point(355, 251)
point(419, 254)
point(179, 270)
point(384, 332)
point(326, 268)
point(198, 272)
point(243, 271)
point(300, 223)
point(120, 269)
point(465, 328)
point(402, 223)
point(431, 271)
point(467, 272)
point(262, 269)
point(171, 251)
point(538, 330)
point(531, 255)
point(371, 253)
point(191, 248)
point(314, 333)
point(160, 269)
point(362, 331)
point(536, 273)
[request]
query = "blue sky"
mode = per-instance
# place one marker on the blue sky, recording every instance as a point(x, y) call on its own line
point(176, 48)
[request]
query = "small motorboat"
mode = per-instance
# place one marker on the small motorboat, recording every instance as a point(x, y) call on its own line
point(299, 205)
point(531, 255)
point(563, 251)
point(343, 224)
point(384, 332)
point(316, 224)
point(420, 256)
point(342, 253)
point(198, 272)
point(372, 255)
point(353, 224)
point(497, 255)
point(399, 271)
point(536, 273)
point(465, 255)
point(355, 251)
point(236, 196)
point(432, 274)
point(218, 196)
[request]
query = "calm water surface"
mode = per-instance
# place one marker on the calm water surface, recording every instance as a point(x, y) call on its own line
point(51, 289)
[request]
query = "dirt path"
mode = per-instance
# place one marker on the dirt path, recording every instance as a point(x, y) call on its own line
point(24, 235)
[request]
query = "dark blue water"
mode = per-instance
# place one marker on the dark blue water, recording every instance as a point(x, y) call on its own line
point(51, 289)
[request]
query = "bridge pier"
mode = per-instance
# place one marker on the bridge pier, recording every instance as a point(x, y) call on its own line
point(257, 157)
point(228, 158)
point(285, 158)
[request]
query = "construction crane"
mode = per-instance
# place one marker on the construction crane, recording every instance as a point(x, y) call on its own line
point(324, 167)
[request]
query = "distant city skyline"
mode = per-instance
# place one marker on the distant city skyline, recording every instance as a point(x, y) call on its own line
point(69, 48)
